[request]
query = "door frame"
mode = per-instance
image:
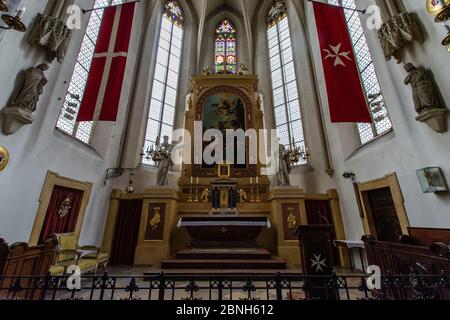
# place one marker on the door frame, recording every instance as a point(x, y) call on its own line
point(51, 180)
point(389, 181)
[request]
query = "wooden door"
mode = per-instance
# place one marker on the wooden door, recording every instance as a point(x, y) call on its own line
point(384, 214)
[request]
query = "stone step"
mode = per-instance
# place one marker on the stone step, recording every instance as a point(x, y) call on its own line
point(242, 264)
point(224, 254)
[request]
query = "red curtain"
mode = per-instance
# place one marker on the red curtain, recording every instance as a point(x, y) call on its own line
point(319, 212)
point(126, 233)
point(62, 212)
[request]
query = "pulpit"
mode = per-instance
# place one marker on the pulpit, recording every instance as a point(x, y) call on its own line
point(316, 248)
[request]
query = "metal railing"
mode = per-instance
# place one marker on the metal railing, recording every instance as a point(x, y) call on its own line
point(179, 287)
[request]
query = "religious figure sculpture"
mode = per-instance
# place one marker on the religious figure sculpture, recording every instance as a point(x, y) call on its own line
point(284, 169)
point(242, 196)
point(205, 195)
point(164, 159)
point(424, 90)
point(23, 103)
point(208, 71)
point(242, 69)
point(426, 99)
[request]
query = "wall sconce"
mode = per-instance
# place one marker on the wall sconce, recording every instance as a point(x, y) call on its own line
point(349, 176)
point(441, 9)
point(432, 180)
point(12, 22)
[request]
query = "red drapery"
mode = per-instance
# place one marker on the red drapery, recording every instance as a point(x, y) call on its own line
point(126, 232)
point(55, 220)
point(319, 212)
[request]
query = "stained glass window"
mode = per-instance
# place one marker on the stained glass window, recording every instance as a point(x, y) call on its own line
point(174, 12)
point(286, 100)
point(226, 60)
point(276, 13)
point(161, 115)
point(381, 121)
point(67, 119)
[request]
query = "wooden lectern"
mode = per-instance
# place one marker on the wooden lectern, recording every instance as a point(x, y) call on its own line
point(316, 249)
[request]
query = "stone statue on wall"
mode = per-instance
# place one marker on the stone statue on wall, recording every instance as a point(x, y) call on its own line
point(284, 169)
point(426, 99)
point(23, 103)
point(424, 90)
point(164, 162)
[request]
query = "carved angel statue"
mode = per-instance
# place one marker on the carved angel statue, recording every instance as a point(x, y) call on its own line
point(242, 69)
point(242, 196)
point(205, 195)
point(424, 90)
point(208, 71)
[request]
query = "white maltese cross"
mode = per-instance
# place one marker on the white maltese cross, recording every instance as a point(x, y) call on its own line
point(318, 262)
point(338, 55)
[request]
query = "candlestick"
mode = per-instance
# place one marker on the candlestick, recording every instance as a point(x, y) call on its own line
point(20, 13)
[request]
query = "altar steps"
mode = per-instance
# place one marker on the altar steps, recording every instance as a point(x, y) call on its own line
point(224, 259)
point(272, 264)
point(219, 254)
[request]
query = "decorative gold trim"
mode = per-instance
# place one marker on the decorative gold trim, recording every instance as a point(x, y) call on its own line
point(219, 171)
point(4, 158)
point(389, 181)
point(53, 179)
point(14, 23)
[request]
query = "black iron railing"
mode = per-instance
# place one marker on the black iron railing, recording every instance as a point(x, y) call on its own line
point(179, 287)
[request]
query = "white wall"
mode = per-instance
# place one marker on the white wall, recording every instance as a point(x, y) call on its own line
point(411, 146)
point(39, 147)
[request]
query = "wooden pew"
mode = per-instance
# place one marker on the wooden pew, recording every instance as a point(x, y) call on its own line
point(23, 260)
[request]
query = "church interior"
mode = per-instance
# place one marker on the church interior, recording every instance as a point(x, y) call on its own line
point(279, 145)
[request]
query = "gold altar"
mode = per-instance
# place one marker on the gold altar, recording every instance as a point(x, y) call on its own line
point(283, 206)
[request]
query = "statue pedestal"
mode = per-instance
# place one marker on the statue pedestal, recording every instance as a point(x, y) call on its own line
point(288, 213)
point(14, 118)
point(158, 218)
point(436, 119)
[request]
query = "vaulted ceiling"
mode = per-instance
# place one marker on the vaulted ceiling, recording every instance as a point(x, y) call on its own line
point(204, 8)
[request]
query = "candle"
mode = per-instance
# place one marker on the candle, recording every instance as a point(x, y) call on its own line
point(197, 180)
point(20, 13)
point(192, 180)
point(257, 180)
point(251, 180)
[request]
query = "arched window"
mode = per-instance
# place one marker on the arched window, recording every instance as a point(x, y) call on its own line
point(67, 119)
point(381, 122)
point(288, 117)
point(226, 58)
point(161, 115)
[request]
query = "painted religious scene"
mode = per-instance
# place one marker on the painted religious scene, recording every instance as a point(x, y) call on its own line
point(226, 112)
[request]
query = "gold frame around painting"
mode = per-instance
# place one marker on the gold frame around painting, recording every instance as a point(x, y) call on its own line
point(220, 168)
point(4, 158)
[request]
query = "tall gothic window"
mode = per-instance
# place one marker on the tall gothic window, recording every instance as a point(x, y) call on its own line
point(286, 100)
point(161, 115)
point(381, 122)
point(226, 47)
point(67, 119)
